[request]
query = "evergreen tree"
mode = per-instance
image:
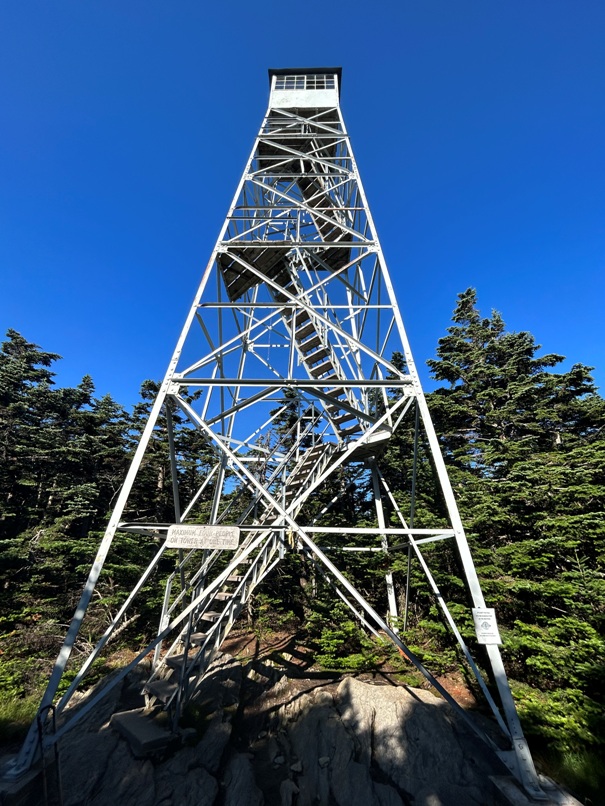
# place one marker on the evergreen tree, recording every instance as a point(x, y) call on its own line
point(64, 455)
point(526, 448)
point(152, 497)
point(25, 388)
point(502, 403)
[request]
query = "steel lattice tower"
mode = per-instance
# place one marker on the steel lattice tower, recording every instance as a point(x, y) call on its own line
point(285, 367)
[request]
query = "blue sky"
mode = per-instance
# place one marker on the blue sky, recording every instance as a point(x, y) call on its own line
point(478, 126)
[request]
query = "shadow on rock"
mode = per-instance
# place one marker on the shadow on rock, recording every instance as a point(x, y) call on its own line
point(254, 740)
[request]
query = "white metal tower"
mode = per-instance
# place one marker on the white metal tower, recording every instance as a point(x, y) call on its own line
point(285, 367)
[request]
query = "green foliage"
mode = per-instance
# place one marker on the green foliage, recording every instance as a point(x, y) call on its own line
point(502, 404)
point(564, 719)
point(11, 679)
point(582, 771)
point(342, 645)
point(271, 615)
point(565, 653)
point(152, 495)
point(16, 715)
point(525, 449)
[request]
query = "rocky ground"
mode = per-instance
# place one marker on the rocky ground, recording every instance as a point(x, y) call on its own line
point(274, 732)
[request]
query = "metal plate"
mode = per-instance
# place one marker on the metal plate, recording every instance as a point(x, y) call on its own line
point(486, 625)
point(194, 536)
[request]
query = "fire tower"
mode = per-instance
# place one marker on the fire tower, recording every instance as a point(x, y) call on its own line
point(285, 370)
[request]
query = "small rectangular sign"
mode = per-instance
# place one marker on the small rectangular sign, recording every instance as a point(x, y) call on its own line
point(195, 536)
point(486, 625)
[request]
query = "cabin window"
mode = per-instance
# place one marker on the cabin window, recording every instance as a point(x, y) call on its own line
point(313, 81)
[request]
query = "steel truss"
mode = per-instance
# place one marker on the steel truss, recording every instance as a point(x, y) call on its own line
point(295, 321)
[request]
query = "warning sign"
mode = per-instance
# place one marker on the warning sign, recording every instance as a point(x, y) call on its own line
point(486, 625)
point(194, 536)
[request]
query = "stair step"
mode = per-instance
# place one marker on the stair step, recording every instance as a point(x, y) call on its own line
point(317, 356)
point(304, 331)
point(300, 317)
point(162, 689)
point(321, 369)
point(309, 460)
point(238, 279)
point(141, 731)
point(312, 460)
point(197, 638)
point(332, 379)
point(310, 344)
point(355, 429)
point(177, 661)
point(210, 615)
point(344, 418)
point(234, 578)
point(335, 406)
point(280, 296)
point(221, 596)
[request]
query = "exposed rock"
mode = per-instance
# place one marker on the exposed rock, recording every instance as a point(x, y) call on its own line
point(197, 788)
point(412, 737)
point(127, 784)
point(104, 709)
point(287, 791)
point(296, 743)
point(99, 769)
point(212, 745)
point(223, 681)
point(173, 776)
point(240, 785)
point(386, 796)
point(325, 752)
point(80, 775)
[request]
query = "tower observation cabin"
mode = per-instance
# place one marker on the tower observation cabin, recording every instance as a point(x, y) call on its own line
point(305, 88)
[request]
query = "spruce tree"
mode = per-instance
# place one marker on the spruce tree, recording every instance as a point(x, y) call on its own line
point(526, 448)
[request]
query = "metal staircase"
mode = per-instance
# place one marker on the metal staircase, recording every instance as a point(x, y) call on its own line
point(178, 671)
point(176, 674)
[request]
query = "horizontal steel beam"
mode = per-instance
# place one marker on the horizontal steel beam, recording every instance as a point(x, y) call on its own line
point(308, 383)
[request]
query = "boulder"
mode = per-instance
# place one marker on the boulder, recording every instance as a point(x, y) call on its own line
point(415, 741)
